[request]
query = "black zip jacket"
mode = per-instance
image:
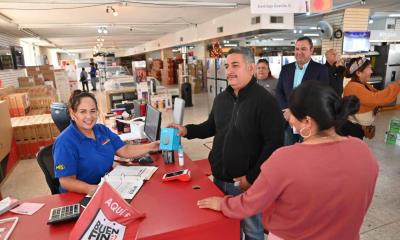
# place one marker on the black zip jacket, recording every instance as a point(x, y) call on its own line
point(246, 130)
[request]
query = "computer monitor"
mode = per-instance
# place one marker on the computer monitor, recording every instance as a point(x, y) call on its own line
point(152, 124)
point(179, 109)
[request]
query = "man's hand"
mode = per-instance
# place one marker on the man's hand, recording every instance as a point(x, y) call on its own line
point(243, 183)
point(182, 131)
point(213, 203)
point(154, 146)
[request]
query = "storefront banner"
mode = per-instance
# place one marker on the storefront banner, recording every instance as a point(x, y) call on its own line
point(279, 6)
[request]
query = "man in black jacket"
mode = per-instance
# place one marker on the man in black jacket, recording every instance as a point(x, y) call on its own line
point(336, 71)
point(293, 74)
point(247, 126)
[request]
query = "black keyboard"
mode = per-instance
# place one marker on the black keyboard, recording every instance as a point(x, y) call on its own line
point(64, 213)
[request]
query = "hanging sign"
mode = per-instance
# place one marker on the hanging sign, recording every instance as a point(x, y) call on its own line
point(279, 6)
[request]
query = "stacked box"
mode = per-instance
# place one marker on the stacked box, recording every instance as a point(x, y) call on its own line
point(63, 85)
point(41, 102)
point(41, 74)
point(37, 91)
point(393, 134)
point(40, 97)
point(6, 91)
point(25, 81)
point(32, 133)
point(18, 104)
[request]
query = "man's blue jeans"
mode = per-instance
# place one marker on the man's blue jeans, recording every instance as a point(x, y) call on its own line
point(252, 227)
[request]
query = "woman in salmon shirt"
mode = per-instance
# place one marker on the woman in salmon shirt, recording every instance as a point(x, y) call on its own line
point(320, 188)
point(370, 98)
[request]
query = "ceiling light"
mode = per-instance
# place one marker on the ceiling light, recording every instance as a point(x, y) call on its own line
point(300, 31)
point(363, 2)
point(394, 15)
point(277, 39)
point(294, 31)
point(311, 34)
point(105, 31)
point(115, 13)
point(308, 13)
point(99, 30)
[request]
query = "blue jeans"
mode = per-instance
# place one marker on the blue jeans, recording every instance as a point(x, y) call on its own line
point(252, 227)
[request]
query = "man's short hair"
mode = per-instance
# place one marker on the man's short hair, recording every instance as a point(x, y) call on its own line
point(245, 51)
point(329, 51)
point(306, 39)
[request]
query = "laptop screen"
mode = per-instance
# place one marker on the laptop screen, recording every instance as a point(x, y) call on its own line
point(152, 123)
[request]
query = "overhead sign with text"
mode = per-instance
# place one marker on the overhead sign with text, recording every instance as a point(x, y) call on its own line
point(279, 6)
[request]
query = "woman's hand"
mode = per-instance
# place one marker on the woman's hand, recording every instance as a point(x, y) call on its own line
point(213, 203)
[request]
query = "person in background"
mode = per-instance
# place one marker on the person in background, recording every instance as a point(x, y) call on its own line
point(264, 76)
point(361, 123)
point(93, 78)
point(84, 151)
point(336, 71)
point(247, 126)
point(292, 74)
point(318, 189)
point(84, 80)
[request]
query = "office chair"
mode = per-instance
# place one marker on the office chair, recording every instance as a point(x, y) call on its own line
point(60, 115)
point(45, 160)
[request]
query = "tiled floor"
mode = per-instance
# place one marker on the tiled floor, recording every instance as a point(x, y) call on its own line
point(381, 223)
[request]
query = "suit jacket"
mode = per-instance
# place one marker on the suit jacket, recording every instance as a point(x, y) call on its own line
point(314, 71)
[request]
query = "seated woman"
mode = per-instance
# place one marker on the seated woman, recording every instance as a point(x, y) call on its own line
point(320, 188)
point(370, 98)
point(84, 151)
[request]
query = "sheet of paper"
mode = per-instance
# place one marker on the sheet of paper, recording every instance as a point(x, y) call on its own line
point(142, 172)
point(127, 186)
point(27, 208)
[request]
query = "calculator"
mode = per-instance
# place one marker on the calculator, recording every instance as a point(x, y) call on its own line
point(64, 213)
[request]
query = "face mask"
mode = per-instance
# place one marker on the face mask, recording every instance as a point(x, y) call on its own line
point(295, 130)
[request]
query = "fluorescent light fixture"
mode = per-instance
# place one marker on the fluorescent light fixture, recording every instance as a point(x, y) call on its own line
point(311, 34)
point(230, 45)
point(313, 28)
point(394, 15)
point(277, 39)
point(6, 18)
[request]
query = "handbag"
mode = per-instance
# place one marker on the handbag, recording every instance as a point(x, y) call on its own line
point(369, 131)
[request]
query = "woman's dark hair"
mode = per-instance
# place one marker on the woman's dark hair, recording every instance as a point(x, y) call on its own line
point(262, 60)
point(322, 104)
point(76, 97)
point(351, 73)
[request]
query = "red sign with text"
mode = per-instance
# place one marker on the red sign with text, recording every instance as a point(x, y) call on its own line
point(107, 216)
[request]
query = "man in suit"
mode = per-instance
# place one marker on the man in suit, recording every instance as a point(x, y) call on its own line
point(293, 74)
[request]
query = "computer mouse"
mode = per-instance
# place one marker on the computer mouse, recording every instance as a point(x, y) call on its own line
point(145, 159)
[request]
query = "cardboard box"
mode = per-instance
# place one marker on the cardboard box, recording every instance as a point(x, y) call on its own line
point(5, 130)
point(18, 104)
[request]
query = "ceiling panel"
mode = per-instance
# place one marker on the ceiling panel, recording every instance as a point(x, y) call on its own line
point(74, 23)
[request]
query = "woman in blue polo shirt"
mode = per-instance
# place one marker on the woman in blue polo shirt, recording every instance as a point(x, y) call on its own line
point(84, 151)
